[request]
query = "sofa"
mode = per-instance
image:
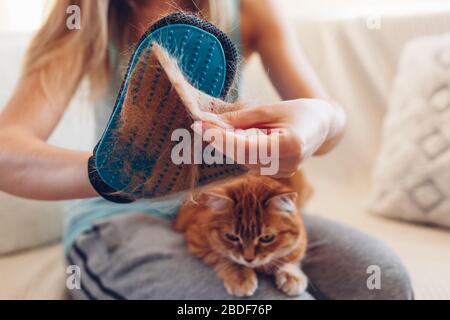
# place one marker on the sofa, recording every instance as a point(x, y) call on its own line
point(356, 57)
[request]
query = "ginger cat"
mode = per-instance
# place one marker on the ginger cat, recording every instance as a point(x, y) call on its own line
point(247, 225)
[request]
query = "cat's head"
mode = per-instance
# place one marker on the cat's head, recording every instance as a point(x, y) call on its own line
point(254, 220)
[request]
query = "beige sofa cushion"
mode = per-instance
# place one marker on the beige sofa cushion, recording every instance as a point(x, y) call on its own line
point(27, 223)
point(33, 274)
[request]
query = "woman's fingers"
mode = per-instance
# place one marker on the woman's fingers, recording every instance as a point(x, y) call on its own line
point(238, 145)
point(269, 151)
point(256, 117)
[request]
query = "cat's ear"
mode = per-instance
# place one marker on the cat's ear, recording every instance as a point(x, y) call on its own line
point(217, 201)
point(283, 202)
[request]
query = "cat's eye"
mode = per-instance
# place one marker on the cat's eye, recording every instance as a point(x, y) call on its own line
point(268, 238)
point(232, 237)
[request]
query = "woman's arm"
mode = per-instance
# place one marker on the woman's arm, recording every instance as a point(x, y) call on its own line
point(29, 167)
point(267, 31)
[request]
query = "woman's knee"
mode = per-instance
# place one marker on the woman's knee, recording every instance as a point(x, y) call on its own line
point(393, 284)
point(345, 263)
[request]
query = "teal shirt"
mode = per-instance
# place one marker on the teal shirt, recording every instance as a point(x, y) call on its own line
point(82, 215)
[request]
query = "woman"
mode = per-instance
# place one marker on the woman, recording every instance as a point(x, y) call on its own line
point(122, 252)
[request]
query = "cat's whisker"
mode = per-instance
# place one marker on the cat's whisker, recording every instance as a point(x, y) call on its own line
point(224, 265)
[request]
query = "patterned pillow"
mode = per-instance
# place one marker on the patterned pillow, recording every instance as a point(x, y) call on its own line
point(412, 173)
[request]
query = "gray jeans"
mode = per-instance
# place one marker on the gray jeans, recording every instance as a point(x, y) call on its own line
point(133, 256)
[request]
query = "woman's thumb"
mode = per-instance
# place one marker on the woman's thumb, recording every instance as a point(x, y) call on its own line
point(250, 117)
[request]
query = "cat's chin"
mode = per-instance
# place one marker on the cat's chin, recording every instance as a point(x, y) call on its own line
point(257, 263)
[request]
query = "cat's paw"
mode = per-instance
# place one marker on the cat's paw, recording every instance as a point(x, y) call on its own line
point(241, 284)
point(291, 280)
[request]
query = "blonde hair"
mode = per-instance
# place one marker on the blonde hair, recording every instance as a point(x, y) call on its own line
point(64, 57)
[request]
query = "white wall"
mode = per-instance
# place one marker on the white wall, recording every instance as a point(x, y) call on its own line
point(26, 15)
point(308, 8)
point(21, 15)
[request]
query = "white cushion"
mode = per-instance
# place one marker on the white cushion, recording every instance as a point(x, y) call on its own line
point(412, 175)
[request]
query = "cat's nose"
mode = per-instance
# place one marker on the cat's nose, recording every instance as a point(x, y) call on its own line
point(249, 259)
point(249, 254)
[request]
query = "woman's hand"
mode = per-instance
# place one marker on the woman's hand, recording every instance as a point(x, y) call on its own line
point(302, 128)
